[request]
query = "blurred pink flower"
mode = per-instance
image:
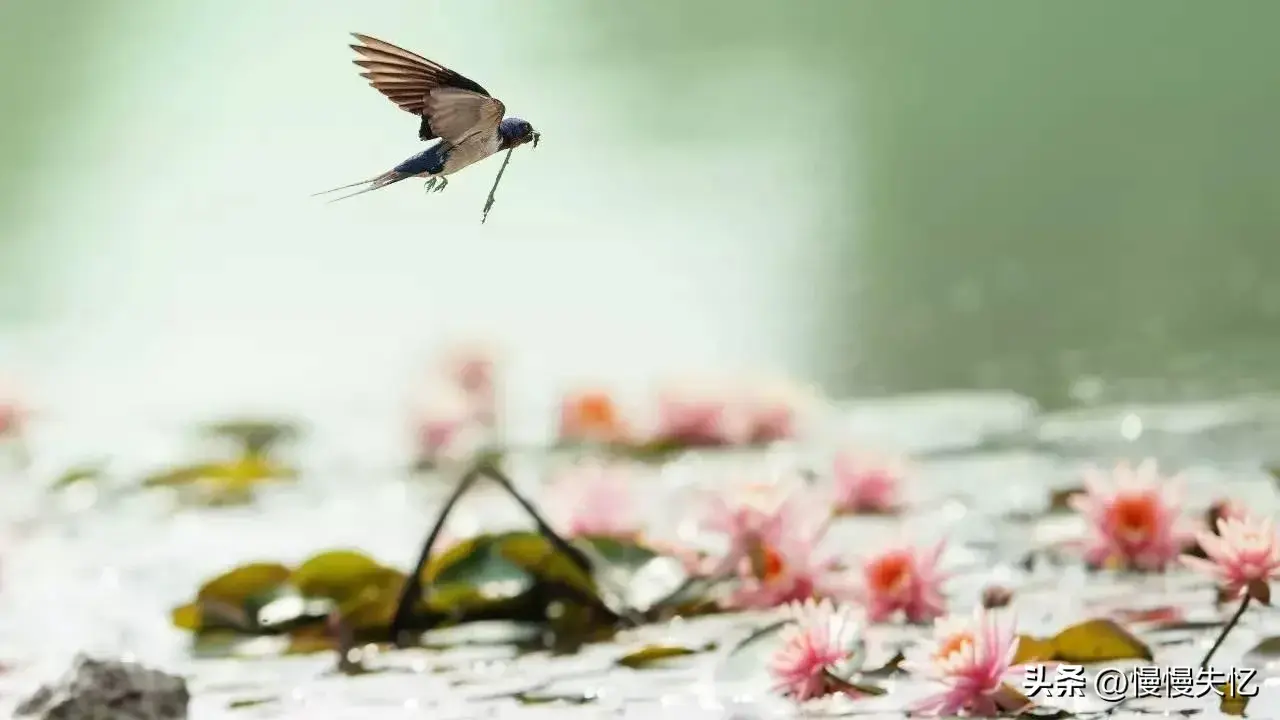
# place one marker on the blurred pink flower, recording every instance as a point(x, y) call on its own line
point(762, 512)
point(472, 368)
point(700, 411)
point(820, 636)
point(1243, 556)
point(591, 415)
point(446, 422)
point(970, 657)
point(12, 413)
point(866, 483)
point(776, 408)
point(595, 499)
point(10, 419)
point(906, 580)
point(773, 530)
point(1133, 518)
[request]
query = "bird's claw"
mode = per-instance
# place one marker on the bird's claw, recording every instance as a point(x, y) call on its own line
point(442, 184)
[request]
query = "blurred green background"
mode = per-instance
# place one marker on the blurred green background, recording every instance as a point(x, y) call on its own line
point(1075, 200)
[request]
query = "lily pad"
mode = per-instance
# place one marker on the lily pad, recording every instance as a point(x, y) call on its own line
point(335, 574)
point(221, 483)
point(246, 470)
point(270, 598)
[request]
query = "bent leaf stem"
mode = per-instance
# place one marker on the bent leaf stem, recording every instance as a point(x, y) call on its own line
point(1226, 630)
point(412, 589)
point(575, 555)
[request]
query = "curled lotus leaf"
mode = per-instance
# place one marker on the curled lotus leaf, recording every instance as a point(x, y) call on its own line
point(1098, 640)
point(223, 601)
point(1034, 650)
point(1092, 641)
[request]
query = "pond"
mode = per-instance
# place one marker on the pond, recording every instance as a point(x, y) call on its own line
point(97, 569)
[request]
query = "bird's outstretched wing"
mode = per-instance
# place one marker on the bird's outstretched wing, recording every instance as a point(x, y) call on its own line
point(452, 107)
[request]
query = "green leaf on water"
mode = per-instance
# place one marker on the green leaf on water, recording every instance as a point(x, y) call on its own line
point(246, 703)
point(1232, 702)
point(246, 470)
point(620, 552)
point(90, 472)
point(653, 655)
point(221, 483)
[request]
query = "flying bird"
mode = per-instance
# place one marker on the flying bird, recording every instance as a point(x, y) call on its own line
point(458, 111)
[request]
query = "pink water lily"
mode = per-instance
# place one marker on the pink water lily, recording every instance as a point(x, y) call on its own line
point(866, 483)
point(969, 657)
point(1244, 556)
point(819, 637)
point(1133, 518)
point(596, 499)
point(788, 569)
point(757, 513)
point(903, 580)
point(773, 531)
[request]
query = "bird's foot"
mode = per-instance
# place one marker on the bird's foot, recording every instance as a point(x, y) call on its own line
point(444, 182)
point(430, 184)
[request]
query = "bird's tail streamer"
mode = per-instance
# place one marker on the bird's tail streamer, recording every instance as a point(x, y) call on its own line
point(388, 178)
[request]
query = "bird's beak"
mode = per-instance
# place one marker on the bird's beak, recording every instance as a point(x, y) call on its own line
point(536, 138)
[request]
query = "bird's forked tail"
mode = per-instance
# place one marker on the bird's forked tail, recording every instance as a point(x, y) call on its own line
point(388, 178)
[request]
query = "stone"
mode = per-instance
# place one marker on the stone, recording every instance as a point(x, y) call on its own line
point(110, 690)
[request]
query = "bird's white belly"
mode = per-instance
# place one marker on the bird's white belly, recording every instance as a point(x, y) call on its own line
point(471, 152)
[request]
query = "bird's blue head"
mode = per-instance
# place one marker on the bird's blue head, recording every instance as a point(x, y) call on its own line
point(516, 132)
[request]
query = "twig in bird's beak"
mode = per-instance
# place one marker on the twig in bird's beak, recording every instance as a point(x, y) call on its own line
point(536, 138)
point(488, 203)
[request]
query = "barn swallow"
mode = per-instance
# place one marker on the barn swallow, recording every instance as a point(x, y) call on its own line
point(466, 119)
